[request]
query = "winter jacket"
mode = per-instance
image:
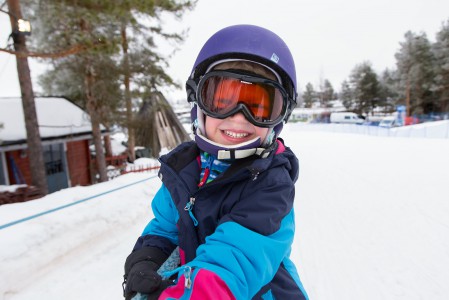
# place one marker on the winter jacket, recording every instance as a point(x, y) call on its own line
point(234, 233)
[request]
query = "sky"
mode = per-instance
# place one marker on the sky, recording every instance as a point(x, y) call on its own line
point(327, 38)
point(370, 212)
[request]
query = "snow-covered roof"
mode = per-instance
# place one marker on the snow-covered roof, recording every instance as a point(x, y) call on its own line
point(57, 117)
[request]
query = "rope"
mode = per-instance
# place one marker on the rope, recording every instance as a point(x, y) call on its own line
point(71, 204)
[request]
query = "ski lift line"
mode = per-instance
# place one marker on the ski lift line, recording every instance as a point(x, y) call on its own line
point(71, 204)
point(3, 68)
point(64, 126)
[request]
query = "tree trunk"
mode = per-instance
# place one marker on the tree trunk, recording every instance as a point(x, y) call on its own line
point(95, 121)
point(35, 151)
point(99, 153)
point(129, 112)
point(108, 145)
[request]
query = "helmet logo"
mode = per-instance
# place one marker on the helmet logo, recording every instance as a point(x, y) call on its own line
point(274, 57)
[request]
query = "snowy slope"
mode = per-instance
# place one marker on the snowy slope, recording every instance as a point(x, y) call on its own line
point(78, 251)
point(371, 217)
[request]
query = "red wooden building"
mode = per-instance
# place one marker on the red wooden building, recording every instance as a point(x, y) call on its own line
point(65, 132)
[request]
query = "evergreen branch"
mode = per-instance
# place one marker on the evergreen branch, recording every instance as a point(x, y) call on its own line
point(70, 51)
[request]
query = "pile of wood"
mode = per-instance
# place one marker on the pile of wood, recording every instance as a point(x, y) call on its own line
point(21, 194)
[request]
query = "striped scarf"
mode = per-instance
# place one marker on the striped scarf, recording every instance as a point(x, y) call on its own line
point(211, 167)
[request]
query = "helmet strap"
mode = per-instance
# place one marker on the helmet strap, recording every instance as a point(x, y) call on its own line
point(231, 151)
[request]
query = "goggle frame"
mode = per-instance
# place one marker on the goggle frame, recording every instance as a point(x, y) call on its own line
point(241, 107)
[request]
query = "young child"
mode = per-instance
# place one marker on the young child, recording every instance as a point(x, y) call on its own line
point(226, 202)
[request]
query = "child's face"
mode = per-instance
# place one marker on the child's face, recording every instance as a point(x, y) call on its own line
point(236, 129)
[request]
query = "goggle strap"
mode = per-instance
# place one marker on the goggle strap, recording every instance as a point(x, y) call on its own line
point(191, 88)
point(237, 154)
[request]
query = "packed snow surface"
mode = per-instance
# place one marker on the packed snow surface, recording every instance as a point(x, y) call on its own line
point(371, 217)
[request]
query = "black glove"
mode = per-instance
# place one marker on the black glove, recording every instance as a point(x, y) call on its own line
point(164, 284)
point(140, 272)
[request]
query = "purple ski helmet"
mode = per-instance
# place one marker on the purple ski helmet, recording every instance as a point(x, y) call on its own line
point(251, 43)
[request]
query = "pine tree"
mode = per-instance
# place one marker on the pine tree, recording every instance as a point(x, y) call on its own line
point(365, 87)
point(347, 95)
point(144, 68)
point(104, 58)
point(327, 93)
point(441, 52)
point(415, 63)
point(388, 85)
point(35, 150)
point(309, 95)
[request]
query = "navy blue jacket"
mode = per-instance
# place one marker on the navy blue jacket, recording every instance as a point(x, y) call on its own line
point(238, 227)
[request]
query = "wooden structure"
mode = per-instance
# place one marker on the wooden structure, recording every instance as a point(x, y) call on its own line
point(158, 127)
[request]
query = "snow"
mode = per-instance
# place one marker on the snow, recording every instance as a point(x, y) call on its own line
point(56, 117)
point(371, 218)
point(11, 188)
point(437, 129)
point(144, 162)
point(117, 147)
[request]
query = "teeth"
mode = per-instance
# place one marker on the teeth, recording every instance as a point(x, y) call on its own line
point(235, 134)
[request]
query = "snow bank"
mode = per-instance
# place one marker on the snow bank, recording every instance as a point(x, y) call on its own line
point(438, 129)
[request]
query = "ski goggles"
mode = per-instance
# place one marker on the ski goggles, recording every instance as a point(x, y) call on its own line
point(221, 94)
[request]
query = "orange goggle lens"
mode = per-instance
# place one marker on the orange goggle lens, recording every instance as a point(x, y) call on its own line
point(222, 96)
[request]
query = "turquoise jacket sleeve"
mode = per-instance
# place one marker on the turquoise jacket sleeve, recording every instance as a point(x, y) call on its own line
point(245, 260)
point(165, 217)
point(227, 265)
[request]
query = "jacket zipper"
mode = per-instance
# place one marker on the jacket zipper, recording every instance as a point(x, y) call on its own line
point(187, 274)
point(189, 207)
point(190, 204)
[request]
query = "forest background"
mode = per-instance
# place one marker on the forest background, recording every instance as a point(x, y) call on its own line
point(106, 57)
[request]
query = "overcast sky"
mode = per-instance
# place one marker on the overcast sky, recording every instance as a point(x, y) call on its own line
point(327, 37)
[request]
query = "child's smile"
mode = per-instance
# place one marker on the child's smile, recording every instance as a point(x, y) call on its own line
point(237, 135)
point(233, 130)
